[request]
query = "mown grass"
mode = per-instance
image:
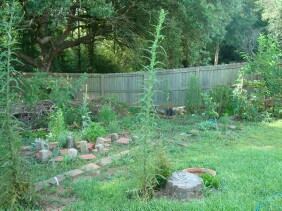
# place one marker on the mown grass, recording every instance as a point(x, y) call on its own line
point(248, 161)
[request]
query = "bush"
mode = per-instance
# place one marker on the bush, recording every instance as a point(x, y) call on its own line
point(93, 131)
point(56, 125)
point(194, 98)
point(222, 96)
point(106, 115)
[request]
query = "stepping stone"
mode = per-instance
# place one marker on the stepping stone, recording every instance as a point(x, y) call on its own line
point(64, 151)
point(90, 167)
point(105, 161)
point(74, 173)
point(53, 145)
point(107, 139)
point(58, 158)
point(41, 185)
point(183, 144)
point(90, 146)
point(56, 180)
point(124, 141)
point(87, 157)
point(232, 127)
point(184, 186)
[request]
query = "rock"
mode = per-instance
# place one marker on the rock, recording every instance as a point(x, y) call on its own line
point(100, 148)
point(193, 132)
point(84, 147)
point(100, 140)
point(72, 153)
point(44, 155)
point(183, 185)
point(232, 127)
point(161, 111)
point(179, 110)
point(183, 144)
point(114, 137)
point(70, 142)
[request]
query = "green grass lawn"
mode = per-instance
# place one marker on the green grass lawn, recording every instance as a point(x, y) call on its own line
point(248, 161)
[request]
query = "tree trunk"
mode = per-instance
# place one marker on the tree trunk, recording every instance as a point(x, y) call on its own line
point(216, 54)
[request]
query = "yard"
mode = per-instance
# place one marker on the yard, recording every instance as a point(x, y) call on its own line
point(247, 160)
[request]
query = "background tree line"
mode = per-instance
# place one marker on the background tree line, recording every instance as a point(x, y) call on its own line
point(109, 35)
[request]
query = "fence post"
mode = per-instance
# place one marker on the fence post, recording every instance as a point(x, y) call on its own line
point(102, 88)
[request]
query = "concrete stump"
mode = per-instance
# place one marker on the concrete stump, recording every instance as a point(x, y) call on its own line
point(84, 147)
point(72, 153)
point(100, 140)
point(70, 142)
point(100, 148)
point(114, 137)
point(184, 186)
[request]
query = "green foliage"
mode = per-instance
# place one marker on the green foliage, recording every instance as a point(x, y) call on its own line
point(93, 131)
point(56, 126)
point(222, 96)
point(42, 86)
point(106, 115)
point(163, 172)
point(210, 106)
point(263, 80)
point(210, 181)
point(114, 126)
point(194, 97)
point(15, 186)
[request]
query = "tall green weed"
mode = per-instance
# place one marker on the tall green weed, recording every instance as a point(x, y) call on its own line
point(15, 186)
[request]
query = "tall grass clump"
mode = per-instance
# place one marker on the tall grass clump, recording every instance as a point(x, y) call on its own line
point(151, 166)
point(194, 98)
point(15, 186)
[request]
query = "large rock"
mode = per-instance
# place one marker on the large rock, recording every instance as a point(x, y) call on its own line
point(185, 186)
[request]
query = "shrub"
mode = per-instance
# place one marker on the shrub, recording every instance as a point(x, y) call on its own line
point(93, 131)
point(222, 96)
point(106, 115)
point(56, 125)
point(114, 127)
point(194, 98)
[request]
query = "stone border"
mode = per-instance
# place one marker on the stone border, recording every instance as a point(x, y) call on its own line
point(91, 167)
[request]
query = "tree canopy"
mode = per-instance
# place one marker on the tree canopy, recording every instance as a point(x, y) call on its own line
point(109, 35)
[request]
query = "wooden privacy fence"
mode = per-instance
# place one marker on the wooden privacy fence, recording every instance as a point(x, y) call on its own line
point(128, 87)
